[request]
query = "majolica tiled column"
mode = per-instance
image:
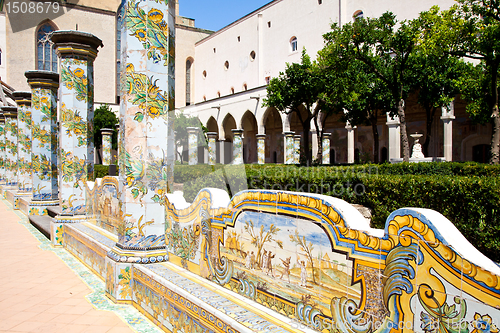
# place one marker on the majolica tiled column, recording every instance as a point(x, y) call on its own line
point(76, 51)
point(296, 146)
point(44, 86)
point(11, 165)
point(107, 135)
point(147, 146)
point(193, 145)
point(325, 145)
point(237, 146)
point(289, 148)
point(2, 149)
point(23, 100)
point(261, 148)
point(212, 148)
point(350, 142)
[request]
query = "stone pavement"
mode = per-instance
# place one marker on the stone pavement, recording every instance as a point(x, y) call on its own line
point(45, 289)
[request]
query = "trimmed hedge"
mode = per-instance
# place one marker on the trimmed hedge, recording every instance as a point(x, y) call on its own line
point(102, 170)
point(471, 202)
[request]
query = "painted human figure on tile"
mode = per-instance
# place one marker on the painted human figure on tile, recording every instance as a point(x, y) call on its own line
point(286, 268)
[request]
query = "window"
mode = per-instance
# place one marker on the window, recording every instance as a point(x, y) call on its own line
point(188, 82)
point(204, 74)
point(252, 56)
point(204, 98)
point(269, 24)
point(320, 2)
point(226, 65)
point(268, 79)
point(232, 90)
point(214, 50)
point(239, 38)
point(45, 52)
point(0, 57)
point(218, 94)
point(293, 44)
point(358, 15)
point(245, 87)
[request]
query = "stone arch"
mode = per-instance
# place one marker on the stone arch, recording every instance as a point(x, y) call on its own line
point(469, 142)
point(272, 122)
point(212, 125)
point(189, 80)
point(250, 129)
point(226, 134)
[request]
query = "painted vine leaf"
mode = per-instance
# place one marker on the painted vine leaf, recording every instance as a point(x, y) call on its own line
point(76, 80)
point(146, 94)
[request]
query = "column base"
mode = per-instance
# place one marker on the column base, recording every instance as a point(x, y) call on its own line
point(39, 207)
point(6, 187)
point(18, 196)
point(56, 227)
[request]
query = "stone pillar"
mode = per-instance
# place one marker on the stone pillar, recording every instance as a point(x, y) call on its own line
point(237, 146)
point(2, 148)
point(325, 145)
point(394, 137)
point(76, 51)
point(222, 150)
point(147, 142)
point(107, 136)
point(289, 148)
point(44, 86)
point(350, 143)
point(212, 149)
point(23, 101)
point(193, 145)
point(448, 115)
point(296, 146)
point(261, 148)
point(11, 165)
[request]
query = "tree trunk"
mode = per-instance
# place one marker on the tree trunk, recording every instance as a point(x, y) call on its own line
point(376, 145)
point(404, 134)
point(319, 135)
point(429, 114)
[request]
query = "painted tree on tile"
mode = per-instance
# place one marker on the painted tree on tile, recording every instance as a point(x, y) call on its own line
point(261, 237)
point(305, 246)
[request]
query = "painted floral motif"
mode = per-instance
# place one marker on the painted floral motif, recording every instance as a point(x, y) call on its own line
point(110, 281)
point(212, 155)
point(237, 149)
point(193, 148)
point(75, 78)
point(483, 324)
point(156, 172)
point(146, 94)
point(326, 151)
point(41, 165)
point(261, 151)
point(183, 242)
point(150, 29)
point(59, 236)
point(74, 125)
point(124, 283)
point(73, 169)
point(290, 150)
point(43, 136)
point(106, 149)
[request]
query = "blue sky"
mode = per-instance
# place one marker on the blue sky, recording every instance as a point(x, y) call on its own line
point(216, 14)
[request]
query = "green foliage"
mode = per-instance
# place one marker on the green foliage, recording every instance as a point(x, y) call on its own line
point(468, 194)
point(102, 170)
point(104, 118)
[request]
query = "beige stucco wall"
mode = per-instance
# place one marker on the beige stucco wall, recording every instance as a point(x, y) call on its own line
point(21, 47)
point(185, 38)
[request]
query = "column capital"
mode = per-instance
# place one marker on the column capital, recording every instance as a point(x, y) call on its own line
point(22, 98)
point(192, 130)
point(212, 135)
point(237, 131)
point(297, 136)
point(75, 43)
point(107, 131)
point(42, 79)
point(327, 135)
point(9, 111)
point(349, 127)
point(289, 133)
point(260, 136)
